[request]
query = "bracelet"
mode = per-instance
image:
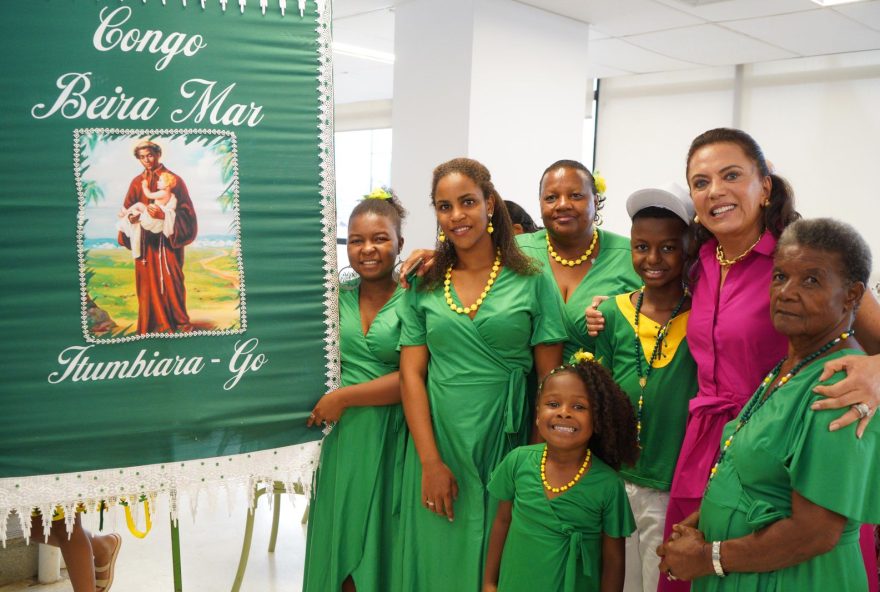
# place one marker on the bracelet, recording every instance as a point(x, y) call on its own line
point(716, 559)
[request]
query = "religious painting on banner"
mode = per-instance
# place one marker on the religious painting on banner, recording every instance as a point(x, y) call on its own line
point(169, 312)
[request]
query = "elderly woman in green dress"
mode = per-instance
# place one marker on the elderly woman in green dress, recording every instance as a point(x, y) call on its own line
point(472, 329)
point(786, 496)
point(352, 523)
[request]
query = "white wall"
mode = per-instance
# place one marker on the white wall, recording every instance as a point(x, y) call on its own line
point(527, 107)
point(432, 45)
point(817, 119)
point(494, 80)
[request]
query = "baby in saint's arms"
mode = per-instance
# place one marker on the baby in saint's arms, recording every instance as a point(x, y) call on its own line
point(163, 198)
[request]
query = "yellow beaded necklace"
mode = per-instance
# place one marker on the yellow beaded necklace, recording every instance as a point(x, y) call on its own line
point(572, 262)
point(581, 472)
point(447, 282)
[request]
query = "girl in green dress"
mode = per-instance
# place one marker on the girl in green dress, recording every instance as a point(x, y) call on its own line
point(563, 514)
point(472, 329)
point(786, 496)
point(352, 523)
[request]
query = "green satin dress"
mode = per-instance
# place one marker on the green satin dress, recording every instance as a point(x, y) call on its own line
point(787, 447)
point(476, 385)
point(354, 513)
point(611, 274)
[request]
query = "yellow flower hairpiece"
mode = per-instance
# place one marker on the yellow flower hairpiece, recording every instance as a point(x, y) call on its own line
point(378, 193)
point(580, 356)
point(601, 185)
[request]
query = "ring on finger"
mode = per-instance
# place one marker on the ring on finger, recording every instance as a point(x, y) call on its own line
point(669, 576)
point(863, 410)
point(430, 503)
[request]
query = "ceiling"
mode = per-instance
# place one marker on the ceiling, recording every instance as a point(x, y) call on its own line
point(637, 36)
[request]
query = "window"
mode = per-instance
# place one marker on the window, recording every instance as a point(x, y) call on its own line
point(590, 123)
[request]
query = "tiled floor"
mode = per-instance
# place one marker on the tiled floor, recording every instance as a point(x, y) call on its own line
point(210, 550)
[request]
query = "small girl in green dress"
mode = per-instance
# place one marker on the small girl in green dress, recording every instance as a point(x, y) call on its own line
point(563, 514)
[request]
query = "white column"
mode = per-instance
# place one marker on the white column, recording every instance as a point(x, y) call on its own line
point(494, 80)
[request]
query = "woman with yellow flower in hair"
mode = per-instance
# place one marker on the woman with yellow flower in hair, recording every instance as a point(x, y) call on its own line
point(472, 329)
point(563, 514)
point(584, 260)
point(352, 523)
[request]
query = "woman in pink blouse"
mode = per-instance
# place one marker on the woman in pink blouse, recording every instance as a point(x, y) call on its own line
point(742, 208)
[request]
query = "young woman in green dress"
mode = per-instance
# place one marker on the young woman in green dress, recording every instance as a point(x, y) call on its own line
point(352, 523)
point(472, 329)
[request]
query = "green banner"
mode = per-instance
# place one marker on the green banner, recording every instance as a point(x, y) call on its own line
point(168, 245)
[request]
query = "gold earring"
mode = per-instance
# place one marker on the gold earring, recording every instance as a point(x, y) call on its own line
point(766, 202)
point(441, 237)
point(490, 228)
point(696, 219)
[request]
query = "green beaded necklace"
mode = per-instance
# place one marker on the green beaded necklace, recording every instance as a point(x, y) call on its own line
point(655, 354)
point(766, 389)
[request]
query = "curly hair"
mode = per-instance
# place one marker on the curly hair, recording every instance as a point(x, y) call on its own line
point(832, 237)
point(781, 210)
point(577, 166)
point(503, 238)
point(614, 439)
point(389, 208)
point(169, 180)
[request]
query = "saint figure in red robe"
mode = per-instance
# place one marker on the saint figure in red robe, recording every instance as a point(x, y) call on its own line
point(158, 254)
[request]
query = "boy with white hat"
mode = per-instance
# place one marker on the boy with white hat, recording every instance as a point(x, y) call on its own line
point(644, 346)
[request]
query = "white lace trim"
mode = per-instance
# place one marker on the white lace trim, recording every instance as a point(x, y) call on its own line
point(291, 465)
point(262, 4)
point(328, 193)
point(173, 482)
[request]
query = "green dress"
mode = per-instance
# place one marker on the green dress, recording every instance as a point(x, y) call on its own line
point(476, 390)
point(612, 273)
point(556, 545)
point(670, 387)
point(787, 447)
point(353, 518)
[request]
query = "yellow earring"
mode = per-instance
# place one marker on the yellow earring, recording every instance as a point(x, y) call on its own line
point(490, 228)
point(441, 237)
point(696, 219)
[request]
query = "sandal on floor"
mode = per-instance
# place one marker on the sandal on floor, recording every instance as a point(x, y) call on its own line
point(103, 583)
